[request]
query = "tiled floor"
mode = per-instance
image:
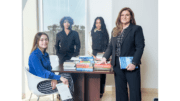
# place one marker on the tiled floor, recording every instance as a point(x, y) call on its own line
point(108, 96)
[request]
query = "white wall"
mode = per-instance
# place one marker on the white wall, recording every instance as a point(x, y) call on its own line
point(29, 31)
point(97, 8)
point(146, 15)
point(101, 8)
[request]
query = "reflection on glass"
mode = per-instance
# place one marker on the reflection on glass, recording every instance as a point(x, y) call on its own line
point(54, 10)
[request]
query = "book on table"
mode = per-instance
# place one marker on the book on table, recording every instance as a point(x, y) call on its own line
point(98, 58)
point(102, 67)
point(79, 65)
point(69, 68)
point(85, 69)
point(125, 61)
point(86, 62)
point(69, 63)
point(84, 66)
point(86, 58)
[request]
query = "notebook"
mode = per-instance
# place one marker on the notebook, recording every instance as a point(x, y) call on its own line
point(64, 91)
point(125, 61)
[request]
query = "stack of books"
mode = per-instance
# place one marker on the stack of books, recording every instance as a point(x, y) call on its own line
point(98, 58)
point(69, 65)
point(85, 64)
point(102, 67)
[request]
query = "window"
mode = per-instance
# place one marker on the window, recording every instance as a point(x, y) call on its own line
point(50, 13)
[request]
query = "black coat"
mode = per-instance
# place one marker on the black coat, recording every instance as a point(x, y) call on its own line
point(100, 41)
point(132, 45)
point(65, 45)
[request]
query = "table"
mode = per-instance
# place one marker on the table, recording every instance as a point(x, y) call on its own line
point(86, 84)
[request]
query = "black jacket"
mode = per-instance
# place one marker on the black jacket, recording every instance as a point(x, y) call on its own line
point(100, 41)
point(65, 43)
point(132, 45)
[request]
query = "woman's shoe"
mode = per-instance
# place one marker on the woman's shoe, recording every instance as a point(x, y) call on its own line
point(101, 95)
point(58, 97)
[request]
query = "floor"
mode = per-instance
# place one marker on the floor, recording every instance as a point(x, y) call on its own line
point(108, 96)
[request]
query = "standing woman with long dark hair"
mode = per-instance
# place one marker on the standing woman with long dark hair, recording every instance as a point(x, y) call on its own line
point(67, 41)
point(98, 42)
point(127, 41)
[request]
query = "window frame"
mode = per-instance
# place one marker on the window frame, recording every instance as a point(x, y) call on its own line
point(40, 17)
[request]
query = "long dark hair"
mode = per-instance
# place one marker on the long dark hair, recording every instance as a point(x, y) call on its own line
point(103, 26)
point(36, 40)
point(119, 27)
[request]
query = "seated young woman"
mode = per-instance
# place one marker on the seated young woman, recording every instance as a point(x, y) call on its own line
point(39, 65)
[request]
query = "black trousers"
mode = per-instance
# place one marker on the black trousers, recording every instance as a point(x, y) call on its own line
point(102, 76)
point(102, 83)
point(63, 57)
point(122, 77)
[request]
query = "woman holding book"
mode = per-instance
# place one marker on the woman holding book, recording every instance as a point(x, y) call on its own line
point(127, 40)
point(39, 65)
point(67, 41)
point(98, 42)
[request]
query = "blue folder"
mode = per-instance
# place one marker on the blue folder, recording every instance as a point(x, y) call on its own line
point(125, 61)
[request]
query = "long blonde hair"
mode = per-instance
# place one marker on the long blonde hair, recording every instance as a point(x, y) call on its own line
point(119, 26)
point(36, 40)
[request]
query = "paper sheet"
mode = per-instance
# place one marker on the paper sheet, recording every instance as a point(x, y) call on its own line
point(64, 91)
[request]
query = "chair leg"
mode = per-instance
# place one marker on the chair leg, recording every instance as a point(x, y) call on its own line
point(53, 97)
point(38, 99)
point(30, 97)
point(59, 97)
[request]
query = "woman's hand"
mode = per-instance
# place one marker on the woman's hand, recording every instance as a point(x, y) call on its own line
point(131, 67)
point(112, 70)
point(64, 80)
point(102, 61)
point(53, 84)
point(94, 57)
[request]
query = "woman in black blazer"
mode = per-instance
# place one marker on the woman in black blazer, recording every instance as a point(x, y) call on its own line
point(67, 41)
point(127, 40)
